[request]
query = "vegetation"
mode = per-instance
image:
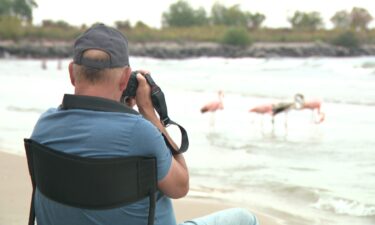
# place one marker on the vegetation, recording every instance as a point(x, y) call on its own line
point(21, 9)
point(10, 28)
point(236, 36)
point(182, 22)
point(181, 14)
point(306, 20)
point(357, 19)
point(347, 39)
point(234, 16)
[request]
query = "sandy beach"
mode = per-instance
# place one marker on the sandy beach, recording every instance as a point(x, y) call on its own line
point(15, 191)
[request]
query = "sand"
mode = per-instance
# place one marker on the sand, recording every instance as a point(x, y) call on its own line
point(15, 194)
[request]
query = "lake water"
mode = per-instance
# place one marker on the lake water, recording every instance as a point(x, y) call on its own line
point(306, 173)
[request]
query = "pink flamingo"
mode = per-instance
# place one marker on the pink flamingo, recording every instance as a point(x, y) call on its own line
point(262, 109)
point(273, 110)
point(314, 106)
point(299, 103)
point(214, 105)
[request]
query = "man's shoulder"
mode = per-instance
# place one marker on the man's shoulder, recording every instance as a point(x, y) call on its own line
point(145, 125)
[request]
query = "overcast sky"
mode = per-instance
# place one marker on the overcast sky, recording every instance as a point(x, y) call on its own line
point(78, 12)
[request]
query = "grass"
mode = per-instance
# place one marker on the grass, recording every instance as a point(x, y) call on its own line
point(14, 30)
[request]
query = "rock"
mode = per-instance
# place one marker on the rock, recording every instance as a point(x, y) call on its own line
point(181, 50)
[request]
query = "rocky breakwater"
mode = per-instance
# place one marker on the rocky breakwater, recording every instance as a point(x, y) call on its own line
point(36, 49)
point(175, 50)
point(258, 50)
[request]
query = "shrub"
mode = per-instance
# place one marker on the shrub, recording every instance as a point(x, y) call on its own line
point(236, 36)
point(10, 27)
point(347, 39)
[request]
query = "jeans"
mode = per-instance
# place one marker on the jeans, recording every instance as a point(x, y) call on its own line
point(234, 216)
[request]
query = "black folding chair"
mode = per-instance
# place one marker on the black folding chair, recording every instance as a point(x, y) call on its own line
point(92, 183)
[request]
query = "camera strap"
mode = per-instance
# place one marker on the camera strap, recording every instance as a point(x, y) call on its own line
point(158, 101)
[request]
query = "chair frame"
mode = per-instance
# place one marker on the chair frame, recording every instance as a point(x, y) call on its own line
point(92, 183)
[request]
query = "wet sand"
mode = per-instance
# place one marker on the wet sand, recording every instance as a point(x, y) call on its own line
point(15, 194)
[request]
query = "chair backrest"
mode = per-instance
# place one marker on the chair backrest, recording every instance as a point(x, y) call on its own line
point(92, 183)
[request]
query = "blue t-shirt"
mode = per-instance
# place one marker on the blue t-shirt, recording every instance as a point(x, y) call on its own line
point(101, 134)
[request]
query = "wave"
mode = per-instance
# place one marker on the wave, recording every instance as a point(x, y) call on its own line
point(300, 193)
point(332, 100)
point(364, 102)
point(345, 207)
point(368, 65)
point(351, 102)
point(271, 97)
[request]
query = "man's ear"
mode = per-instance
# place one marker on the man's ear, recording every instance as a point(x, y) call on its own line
point(72, 79)
point(125, 78)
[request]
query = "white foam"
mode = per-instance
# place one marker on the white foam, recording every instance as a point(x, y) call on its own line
point(345, 207)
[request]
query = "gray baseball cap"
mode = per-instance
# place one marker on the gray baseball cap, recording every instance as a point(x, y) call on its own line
point(104, 38)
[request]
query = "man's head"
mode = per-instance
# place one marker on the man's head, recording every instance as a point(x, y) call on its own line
point(107, 39)
point(101, 61)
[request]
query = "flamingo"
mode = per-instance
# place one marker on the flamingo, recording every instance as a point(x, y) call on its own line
point(299, 103)
point(273, 110)
point(214, 105)
point(44, 64)
point(314, 106)
point(262, 109)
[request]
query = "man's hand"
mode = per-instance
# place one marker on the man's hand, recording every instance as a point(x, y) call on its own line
point(176, 183)
point(143, 98)
point(130, 102)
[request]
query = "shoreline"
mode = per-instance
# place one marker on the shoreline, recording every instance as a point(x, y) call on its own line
point(15, 193)
point(183, 50)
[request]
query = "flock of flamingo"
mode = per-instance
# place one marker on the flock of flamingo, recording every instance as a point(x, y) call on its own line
point(272, 109)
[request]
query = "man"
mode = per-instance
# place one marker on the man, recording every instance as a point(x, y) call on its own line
point(100, 72)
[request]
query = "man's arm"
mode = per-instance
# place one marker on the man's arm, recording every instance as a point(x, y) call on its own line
point(176, 183)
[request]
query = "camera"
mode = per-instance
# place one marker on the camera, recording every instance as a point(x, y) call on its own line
point(159, 104)
point(131, 88)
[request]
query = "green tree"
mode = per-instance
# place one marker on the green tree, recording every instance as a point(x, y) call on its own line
point(256, 20)
point(357, 19)
point(5, 7)
point(181, 14)
point(23, 9)
point(360, 18)
point(341, 20)
point(306, 20)
point(123, 25)
point(141, 25)
point(234, 16)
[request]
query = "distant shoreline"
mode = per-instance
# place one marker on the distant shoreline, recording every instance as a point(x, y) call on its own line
point(183, 50)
